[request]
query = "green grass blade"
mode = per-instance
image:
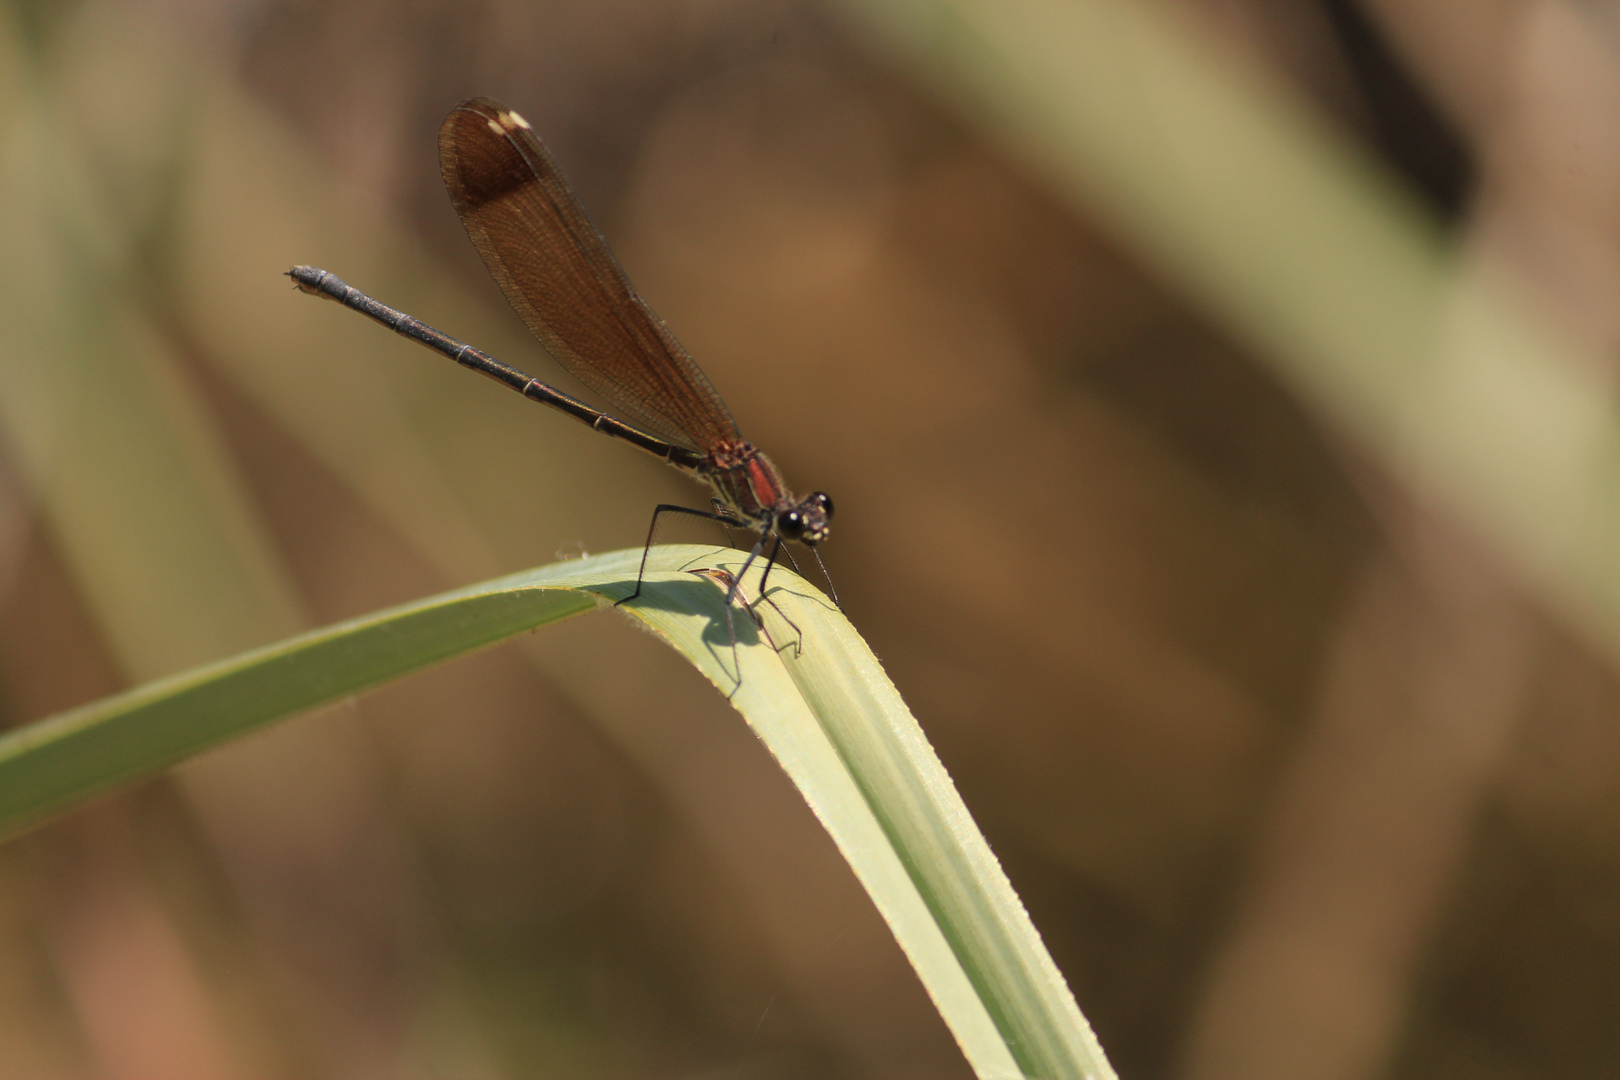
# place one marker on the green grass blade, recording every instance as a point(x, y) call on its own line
point(66, 759)
point(815, 696)
point(950, 864)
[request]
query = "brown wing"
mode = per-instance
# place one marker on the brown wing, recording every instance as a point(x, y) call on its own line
point(558, 273)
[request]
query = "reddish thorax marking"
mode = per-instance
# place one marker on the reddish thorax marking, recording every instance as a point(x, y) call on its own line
point(747, 481)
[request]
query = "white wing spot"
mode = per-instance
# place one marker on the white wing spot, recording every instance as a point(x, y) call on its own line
point(496, 128)
point(512, 119)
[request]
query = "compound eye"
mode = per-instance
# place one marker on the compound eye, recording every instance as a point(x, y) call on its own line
point(790, 526)
point(823, 500)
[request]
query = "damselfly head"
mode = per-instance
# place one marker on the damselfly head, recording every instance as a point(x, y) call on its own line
point(808, 521)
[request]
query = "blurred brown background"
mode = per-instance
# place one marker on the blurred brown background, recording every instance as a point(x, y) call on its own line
point(1292, 777)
